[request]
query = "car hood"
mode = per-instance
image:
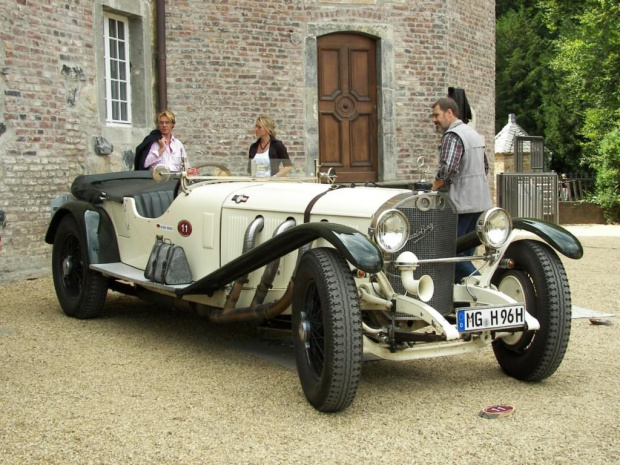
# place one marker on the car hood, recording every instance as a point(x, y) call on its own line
point(321, 199)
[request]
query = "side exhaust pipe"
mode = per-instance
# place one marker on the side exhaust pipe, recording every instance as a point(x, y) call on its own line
point(249, 241)
point(269, 274)
point(258, 311)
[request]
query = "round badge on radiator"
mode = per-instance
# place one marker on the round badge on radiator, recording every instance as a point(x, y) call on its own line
point(185, 228)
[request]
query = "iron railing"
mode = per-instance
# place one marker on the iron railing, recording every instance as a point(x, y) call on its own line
point(529, 195)
point(575, 188)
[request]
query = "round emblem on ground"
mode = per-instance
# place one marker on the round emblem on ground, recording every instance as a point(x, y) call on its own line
point(497, 411)
point(185, 228)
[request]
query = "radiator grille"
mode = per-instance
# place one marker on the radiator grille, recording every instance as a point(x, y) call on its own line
point(433, 222)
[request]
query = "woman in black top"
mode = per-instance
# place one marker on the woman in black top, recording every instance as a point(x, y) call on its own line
point(268, 153)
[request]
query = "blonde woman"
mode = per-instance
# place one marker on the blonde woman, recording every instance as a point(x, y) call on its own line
point(268, 154)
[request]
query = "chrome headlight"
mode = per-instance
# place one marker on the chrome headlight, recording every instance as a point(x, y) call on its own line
point(392, 231)
point(494, 227)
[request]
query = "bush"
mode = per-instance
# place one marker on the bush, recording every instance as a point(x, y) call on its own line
point(605, 159)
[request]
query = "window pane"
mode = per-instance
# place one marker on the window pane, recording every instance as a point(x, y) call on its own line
point(123, 91)
point(113, 46)
point(115, 111)
point(114, 88)
point(121, 32)
point(122, 72)
point(121, 51)
point(112, 27)
point(124, 115)
point(113, 69)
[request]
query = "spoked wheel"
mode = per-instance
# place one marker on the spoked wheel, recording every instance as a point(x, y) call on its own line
point(539, 281)
point(81, 292)
point(327, 330)
point(212, 169)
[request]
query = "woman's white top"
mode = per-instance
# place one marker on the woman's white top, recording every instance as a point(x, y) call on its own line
point(263, 164)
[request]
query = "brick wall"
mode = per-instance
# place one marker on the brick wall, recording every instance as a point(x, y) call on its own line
point(227, 62)
point(44, 49)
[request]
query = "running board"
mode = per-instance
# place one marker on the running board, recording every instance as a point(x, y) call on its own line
point(135, 275)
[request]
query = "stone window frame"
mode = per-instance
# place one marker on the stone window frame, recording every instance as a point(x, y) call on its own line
point(118, 107)
point(386, 85)
point(138, 14)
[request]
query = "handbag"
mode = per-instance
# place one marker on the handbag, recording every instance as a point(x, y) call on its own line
point(167, 264)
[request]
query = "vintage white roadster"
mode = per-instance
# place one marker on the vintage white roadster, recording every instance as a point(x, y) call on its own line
point(360, 272)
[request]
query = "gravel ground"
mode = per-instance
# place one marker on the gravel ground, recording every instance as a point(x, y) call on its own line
point(146, 385)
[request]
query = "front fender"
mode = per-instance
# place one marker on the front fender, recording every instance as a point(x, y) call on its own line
point(353, 245)
point(96, 230)
point(556, 236)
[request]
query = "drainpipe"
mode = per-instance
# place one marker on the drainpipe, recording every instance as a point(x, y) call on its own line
point(162, 85)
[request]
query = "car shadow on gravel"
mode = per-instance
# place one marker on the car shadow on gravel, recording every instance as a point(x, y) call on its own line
point(128, 314)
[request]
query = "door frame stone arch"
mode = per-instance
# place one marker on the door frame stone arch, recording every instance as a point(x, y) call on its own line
point(386, 130)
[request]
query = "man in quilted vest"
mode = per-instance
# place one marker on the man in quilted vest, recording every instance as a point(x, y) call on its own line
point(463, 168)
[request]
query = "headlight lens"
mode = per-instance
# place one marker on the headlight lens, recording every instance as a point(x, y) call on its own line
point(392, 231)
point(494, 227)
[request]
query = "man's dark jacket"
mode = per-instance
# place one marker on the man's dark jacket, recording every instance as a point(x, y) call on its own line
point(142, 150)
point(458, 95)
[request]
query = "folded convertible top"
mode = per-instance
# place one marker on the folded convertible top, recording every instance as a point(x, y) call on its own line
point(95, 188)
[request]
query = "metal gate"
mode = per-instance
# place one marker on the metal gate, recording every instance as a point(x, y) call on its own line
point(529, 195)
point(534, 146)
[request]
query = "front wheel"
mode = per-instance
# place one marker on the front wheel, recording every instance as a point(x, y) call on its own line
point(81, 292)
point(539, 281)
point(327, 330)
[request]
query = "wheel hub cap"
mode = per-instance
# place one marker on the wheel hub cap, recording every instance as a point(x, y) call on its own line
point(67, 266)
point(304, 328)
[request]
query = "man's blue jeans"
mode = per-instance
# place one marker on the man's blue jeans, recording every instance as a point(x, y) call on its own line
point(467, 223)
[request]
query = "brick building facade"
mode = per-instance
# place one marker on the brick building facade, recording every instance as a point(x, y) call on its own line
point(225, 63)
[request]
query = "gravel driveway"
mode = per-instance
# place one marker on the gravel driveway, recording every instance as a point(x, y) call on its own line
point(146, 385)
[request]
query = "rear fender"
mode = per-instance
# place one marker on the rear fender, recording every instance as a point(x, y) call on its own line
point(96, 230)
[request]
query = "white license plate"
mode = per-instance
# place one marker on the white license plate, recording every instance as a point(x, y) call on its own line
point(481, 318)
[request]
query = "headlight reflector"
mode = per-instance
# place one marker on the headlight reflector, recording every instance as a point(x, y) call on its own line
point(392, 231)
point(494, 227)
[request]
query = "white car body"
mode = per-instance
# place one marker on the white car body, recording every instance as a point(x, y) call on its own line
point(226, 228)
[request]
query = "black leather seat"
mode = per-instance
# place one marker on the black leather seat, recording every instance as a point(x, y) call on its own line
point(153, 204)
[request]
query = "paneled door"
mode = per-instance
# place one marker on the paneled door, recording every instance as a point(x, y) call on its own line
point(347, 81)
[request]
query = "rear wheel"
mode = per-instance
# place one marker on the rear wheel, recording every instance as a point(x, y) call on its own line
point(81, 292)
point(327, 330)
point(538, 280)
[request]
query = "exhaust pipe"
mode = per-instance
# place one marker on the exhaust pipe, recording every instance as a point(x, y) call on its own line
point(260, 311)
point(269, 274)
point(249, 241)
point(256, 312)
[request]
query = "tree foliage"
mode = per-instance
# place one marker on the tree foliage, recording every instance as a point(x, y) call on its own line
point(519, 69)
point(558, 69)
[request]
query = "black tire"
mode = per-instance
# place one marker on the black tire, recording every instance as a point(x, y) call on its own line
point(80, 291)
point(327, 330)
point(539, 280)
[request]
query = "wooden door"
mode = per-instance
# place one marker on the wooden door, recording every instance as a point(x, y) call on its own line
point(348, 106)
